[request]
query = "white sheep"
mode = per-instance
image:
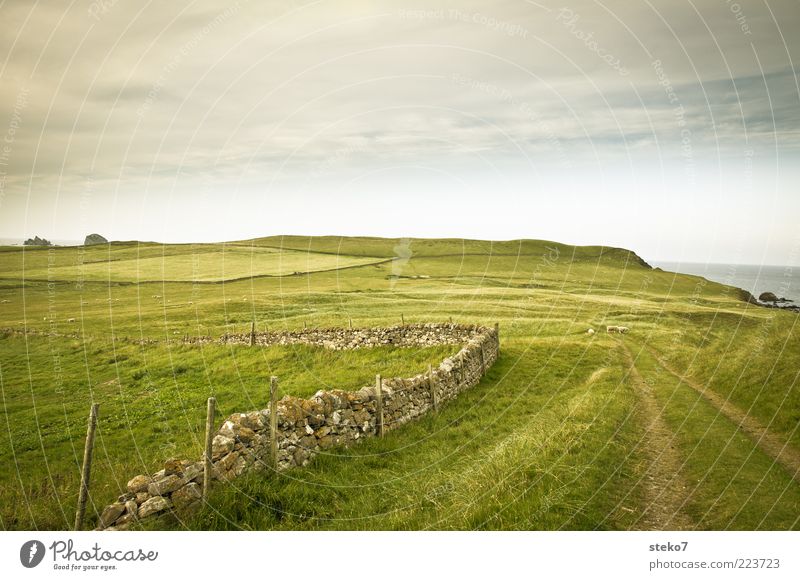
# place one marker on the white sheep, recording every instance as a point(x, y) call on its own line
point(590, 331)
point(619, 329)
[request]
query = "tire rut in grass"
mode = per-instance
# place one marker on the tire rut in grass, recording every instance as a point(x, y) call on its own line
point(665, 491)
point(778, 449)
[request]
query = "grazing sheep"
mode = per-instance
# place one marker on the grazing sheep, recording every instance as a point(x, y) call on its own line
point(590, 331)
point(619, 329)
point(70, 320)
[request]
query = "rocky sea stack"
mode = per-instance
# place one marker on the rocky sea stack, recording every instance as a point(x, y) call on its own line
point(36, 241)
point(767, 297)
point(94, 239)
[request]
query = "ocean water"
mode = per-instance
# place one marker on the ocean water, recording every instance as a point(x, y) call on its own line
point(782, 281)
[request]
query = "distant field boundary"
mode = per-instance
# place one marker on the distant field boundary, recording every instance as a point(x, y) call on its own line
point(293, 430)
point(224, 281)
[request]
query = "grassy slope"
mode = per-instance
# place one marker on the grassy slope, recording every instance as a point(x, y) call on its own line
point(152, 406)
point(129, 262)
point(534, 446)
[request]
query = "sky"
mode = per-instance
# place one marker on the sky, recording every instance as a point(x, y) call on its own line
point(668, 127)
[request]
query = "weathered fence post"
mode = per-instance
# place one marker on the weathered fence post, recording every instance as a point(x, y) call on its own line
point(451, 320)
point(304, 325)
point(252, 333)
point(483, 361)
point(83, 495)
point(432, 385)
point(402, 319)
point(497, 331)
point(273, 421)
point(351, 323)
point(379, 405)
point(207, 465)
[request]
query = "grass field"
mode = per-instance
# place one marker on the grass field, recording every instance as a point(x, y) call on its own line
point(132, 262)
point(567, 430)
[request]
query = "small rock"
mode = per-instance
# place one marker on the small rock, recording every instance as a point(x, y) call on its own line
point(186, 495)
point(193, 471)
point(110, 514)
point(227, 462)
point(154, 505)
point(165, 486)
point(139, 483)
point(245, 435)
point(228, 429)
point(300, 456)
point(239, 466)
point(131, 508)
point(220, 446)
point(174, 466)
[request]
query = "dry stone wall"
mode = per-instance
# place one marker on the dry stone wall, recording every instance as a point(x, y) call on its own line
point(306, 427)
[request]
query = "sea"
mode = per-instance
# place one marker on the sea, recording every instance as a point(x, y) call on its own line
point(783, 281)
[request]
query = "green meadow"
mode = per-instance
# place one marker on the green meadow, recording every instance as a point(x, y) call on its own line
point(566, 431)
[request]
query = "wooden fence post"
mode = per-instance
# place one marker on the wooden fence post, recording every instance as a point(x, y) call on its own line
point(432, 385)
point(402, 319)
point(483, 361)
point(351, 323)
point(497, 331)
point(273, 421)
point(83, 495)
point(208, 467)
point(379, 405)
point(252, 333)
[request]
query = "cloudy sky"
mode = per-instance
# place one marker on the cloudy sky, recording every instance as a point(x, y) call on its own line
point(670, 127)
